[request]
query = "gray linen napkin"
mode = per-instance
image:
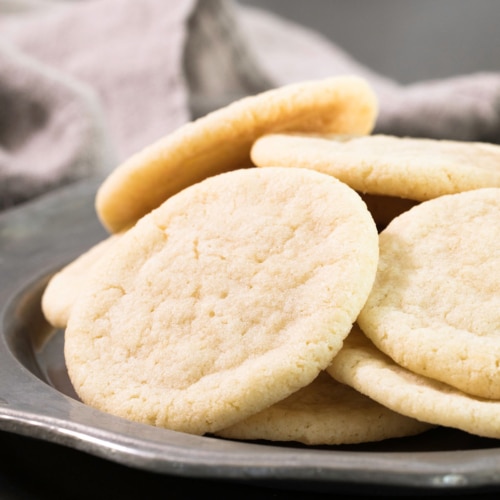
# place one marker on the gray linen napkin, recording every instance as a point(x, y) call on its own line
point(85, 84)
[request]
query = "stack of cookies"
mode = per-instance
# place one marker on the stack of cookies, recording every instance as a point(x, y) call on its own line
point(276, 271)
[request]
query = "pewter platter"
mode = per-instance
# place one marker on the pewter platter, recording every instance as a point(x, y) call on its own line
point(37, 400)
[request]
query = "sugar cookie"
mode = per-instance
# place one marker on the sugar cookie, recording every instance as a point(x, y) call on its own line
point(401, 168)
point(362, 366)
point(233, 294)
point(221, 141)
point(435, 305)
point(325, 412)
point(64, 286)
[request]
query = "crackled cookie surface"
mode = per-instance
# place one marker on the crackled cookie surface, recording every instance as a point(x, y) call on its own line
point(405, 167)
point(221, 141)
point(233, 294)
point(435, 304)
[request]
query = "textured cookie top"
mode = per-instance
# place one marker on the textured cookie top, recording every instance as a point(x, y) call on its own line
point(362, 366)
point(230, 296)
point(405, 167)
point(221, 141)
point(325, 412)
point(435, 304)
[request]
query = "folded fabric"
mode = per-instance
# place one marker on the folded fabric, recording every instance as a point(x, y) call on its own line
point(110, 71)
point(85, 84)
point(51, 129)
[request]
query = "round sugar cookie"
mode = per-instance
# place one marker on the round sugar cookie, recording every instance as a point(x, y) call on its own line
point(404, 168)
point(325, 412)
point(221, 141)
point(64, 286)
point(230, 296)
point(435, 304)
point(365, 368)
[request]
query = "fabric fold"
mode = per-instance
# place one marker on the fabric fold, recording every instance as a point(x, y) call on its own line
point(47, 119)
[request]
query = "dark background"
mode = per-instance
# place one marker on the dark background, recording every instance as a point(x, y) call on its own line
point(406, 40)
